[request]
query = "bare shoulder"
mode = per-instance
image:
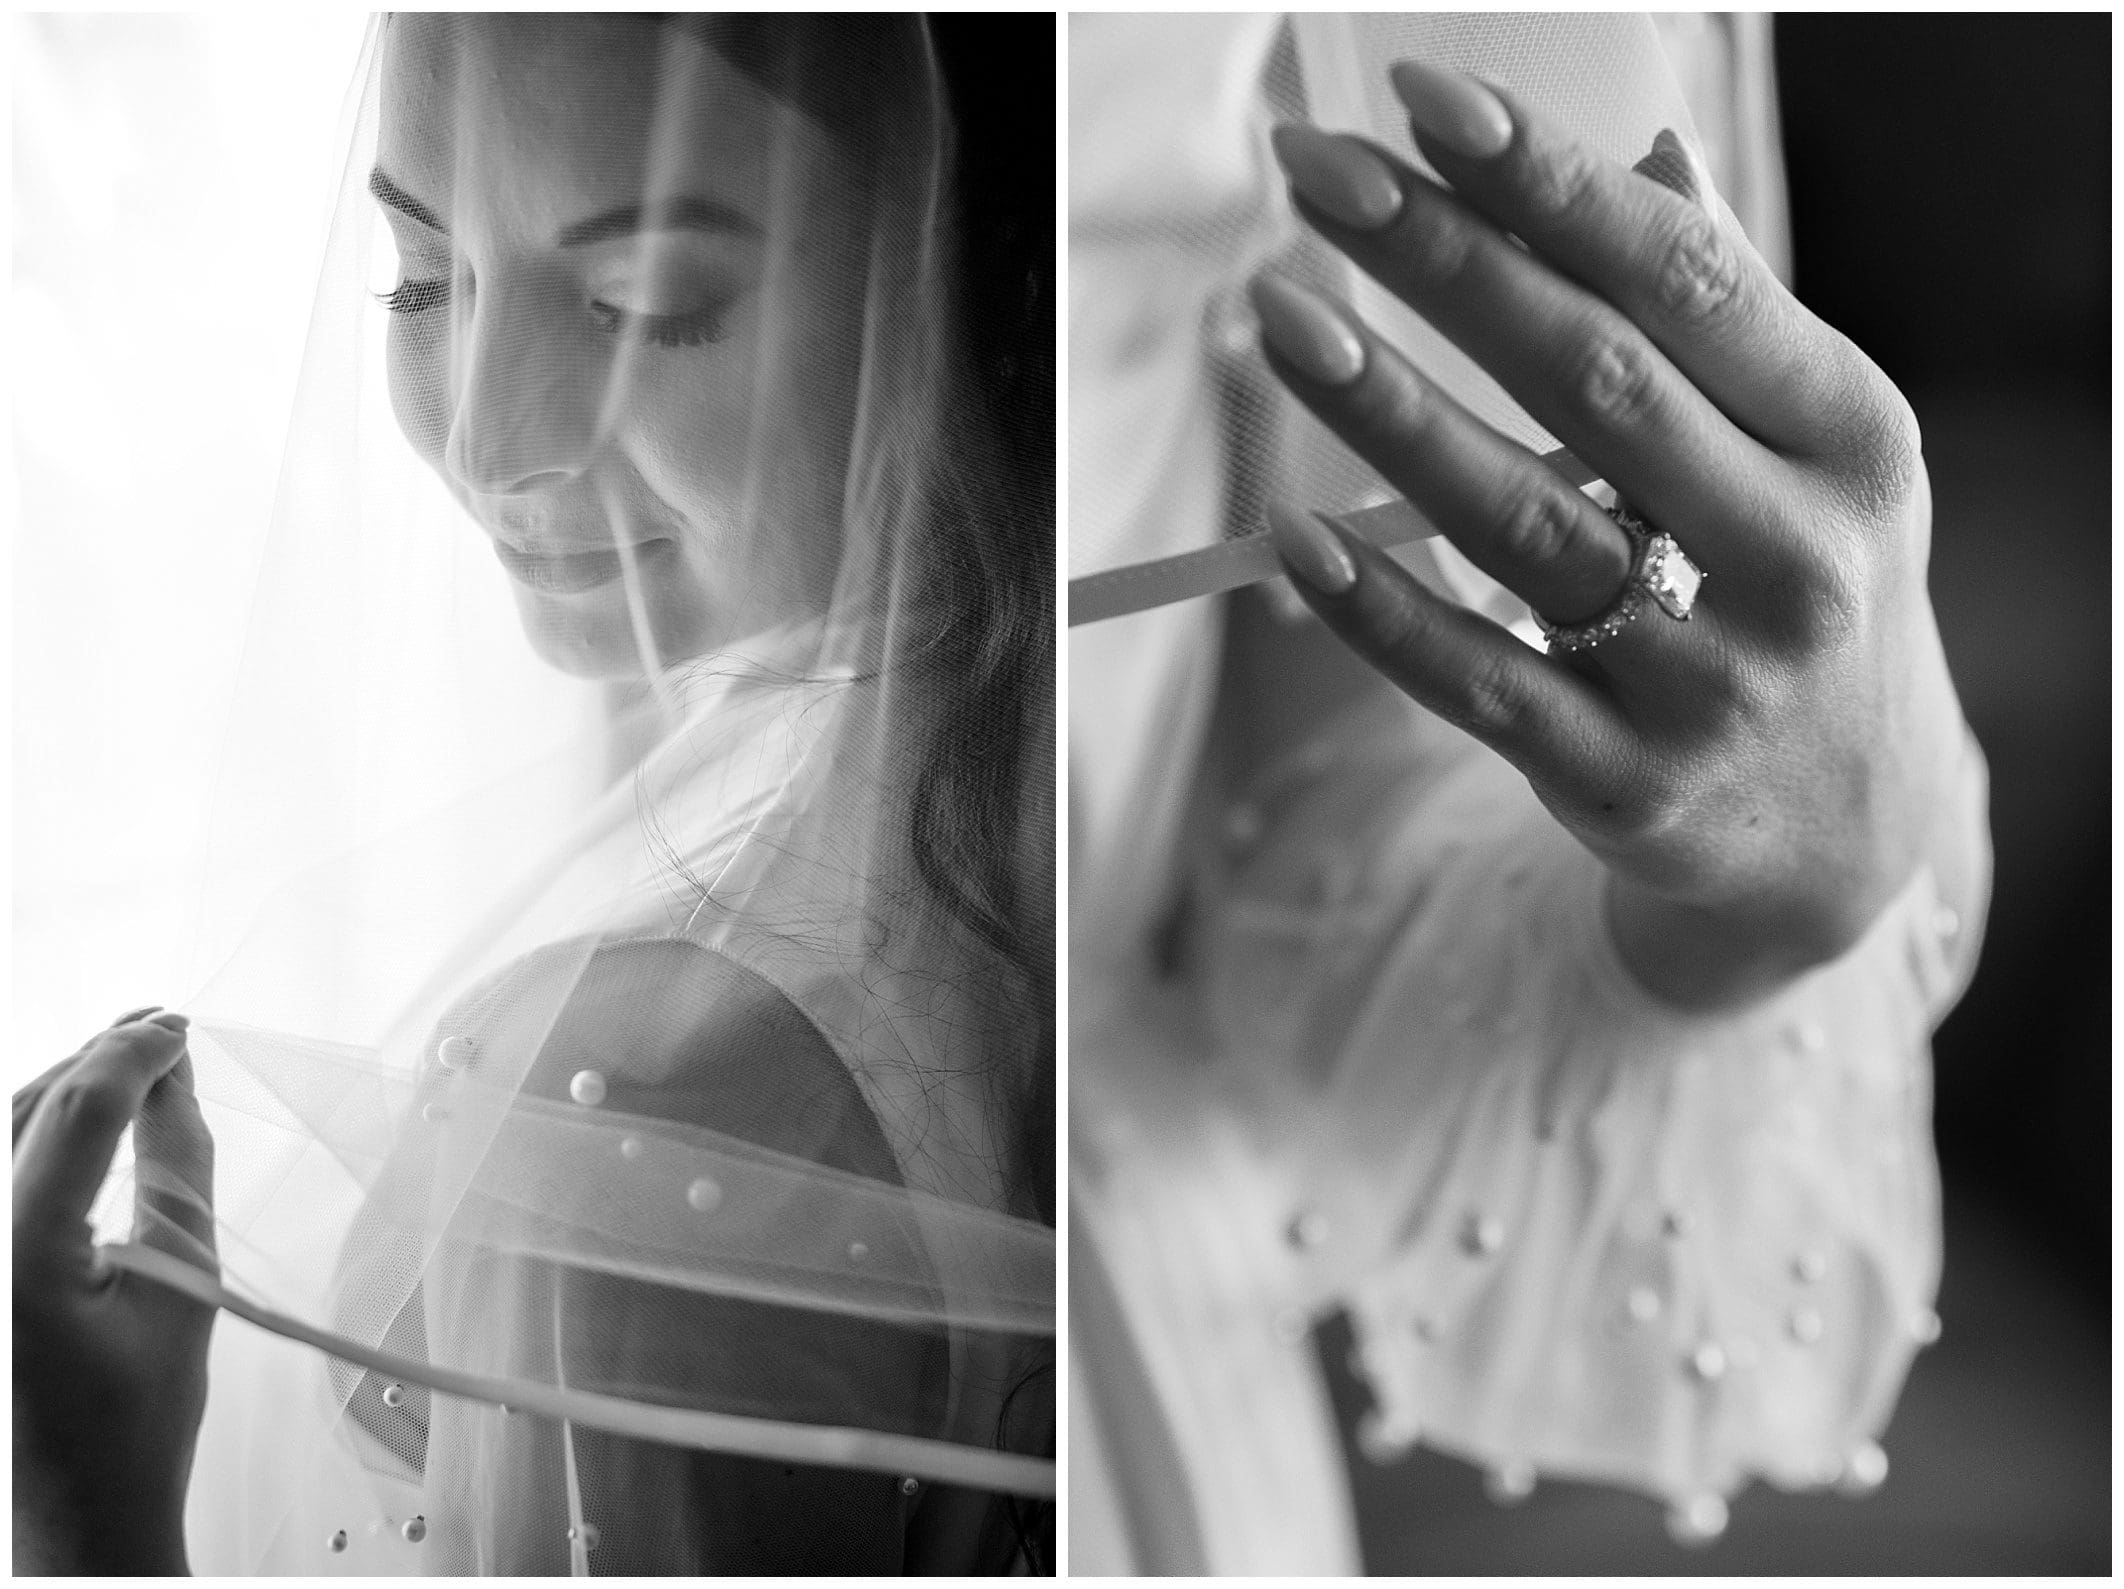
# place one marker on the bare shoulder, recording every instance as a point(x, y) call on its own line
point(677, 1032)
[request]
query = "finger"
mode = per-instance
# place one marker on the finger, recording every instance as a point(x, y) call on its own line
point(173, 1171)
point(1571, 359)
point(1564, 734)
point(65, 1150)
point(1516, 519)
point(1702, 294)
point(26, 1098)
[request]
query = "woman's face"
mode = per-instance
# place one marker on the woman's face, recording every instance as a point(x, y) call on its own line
point(627, 325)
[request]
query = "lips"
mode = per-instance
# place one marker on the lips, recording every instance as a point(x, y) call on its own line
point(566, 573)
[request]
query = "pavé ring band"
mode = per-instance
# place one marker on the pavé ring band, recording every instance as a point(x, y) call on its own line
point(1660, 574)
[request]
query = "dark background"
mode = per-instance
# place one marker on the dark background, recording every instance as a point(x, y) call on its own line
point(1950, 180)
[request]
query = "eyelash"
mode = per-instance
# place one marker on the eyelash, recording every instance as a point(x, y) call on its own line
point(689, 330)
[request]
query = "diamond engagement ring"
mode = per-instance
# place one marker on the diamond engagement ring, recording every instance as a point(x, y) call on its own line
point(1660, 573)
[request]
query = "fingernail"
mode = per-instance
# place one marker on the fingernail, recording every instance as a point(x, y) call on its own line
point(1338, 176)
point(1308, 331)
point(141, 1014)
point(1671, 165)
point(1312, 551)
point(172, 1019)
point(1453, 111)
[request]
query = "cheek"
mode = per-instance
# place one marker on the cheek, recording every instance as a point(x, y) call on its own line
point(414, 366)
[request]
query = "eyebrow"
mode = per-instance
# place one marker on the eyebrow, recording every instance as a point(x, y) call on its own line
point(403, 202)
point(679, 214)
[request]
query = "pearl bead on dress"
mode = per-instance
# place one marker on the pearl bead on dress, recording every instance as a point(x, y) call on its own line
point(587, 1533)
point(338, 1542)
point(1509, 1482)
point(1865, 1469)
point(394, 1395)
point(455, 1053)
point(1482, 1235)
point(416, 1530)
point(587, 1087)
point(1698, 1520)
point(703, 1195)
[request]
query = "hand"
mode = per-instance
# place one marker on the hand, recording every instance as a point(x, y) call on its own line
point(1761, 780)
point(110, 1369)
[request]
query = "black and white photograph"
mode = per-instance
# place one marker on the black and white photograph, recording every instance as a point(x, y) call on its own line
point(1544, 661)
point(1587, 548)
point(535, 711)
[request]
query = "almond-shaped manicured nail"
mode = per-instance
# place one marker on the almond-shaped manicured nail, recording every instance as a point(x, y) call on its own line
point(171, 1019)
point(1308, 331)
point(1454, 111)
point(1338, 176)
point(1311, 550)
point(1672, 165)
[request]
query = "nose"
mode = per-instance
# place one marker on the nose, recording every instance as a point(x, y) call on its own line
point(525, 418)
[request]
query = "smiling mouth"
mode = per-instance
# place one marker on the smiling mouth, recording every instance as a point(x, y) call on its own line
point(566, 573)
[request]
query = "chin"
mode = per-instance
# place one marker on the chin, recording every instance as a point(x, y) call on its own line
point(596, 639)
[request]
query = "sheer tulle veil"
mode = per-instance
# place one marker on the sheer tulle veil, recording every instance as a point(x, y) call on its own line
point(626, 1021)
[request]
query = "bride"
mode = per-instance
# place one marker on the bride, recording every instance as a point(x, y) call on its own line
point(622, 1121)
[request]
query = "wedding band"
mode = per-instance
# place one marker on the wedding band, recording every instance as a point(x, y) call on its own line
point(1660, 573)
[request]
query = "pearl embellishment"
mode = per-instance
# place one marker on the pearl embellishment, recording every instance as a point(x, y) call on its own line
point(394, 1395)
point(1708, 1362)
point(1644, 1304)
point(1509, 1483)
point(586, 1533)
point(455, 1053)
point(630, 1147)
point(1482, 1235)
point(910, 1485)
point(416, 1530)
point(703, 1196)
point(1864, 1469)
point(1698, 1520)
point(858, 1250)
point(587, 1087)
point(338, 1541)
point(1805, 1326)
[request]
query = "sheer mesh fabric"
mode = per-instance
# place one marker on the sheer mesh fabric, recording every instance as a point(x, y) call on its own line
point(626, 1022)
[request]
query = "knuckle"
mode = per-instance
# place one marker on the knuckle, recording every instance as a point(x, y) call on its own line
point(1616, 382)
point(1393, 406)
point(1884, 452)
point(1436, 244)
point(1558, 180)
point(1489, 701)
point(1536, 526)
point(1699, 272)
point(91, 1102)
